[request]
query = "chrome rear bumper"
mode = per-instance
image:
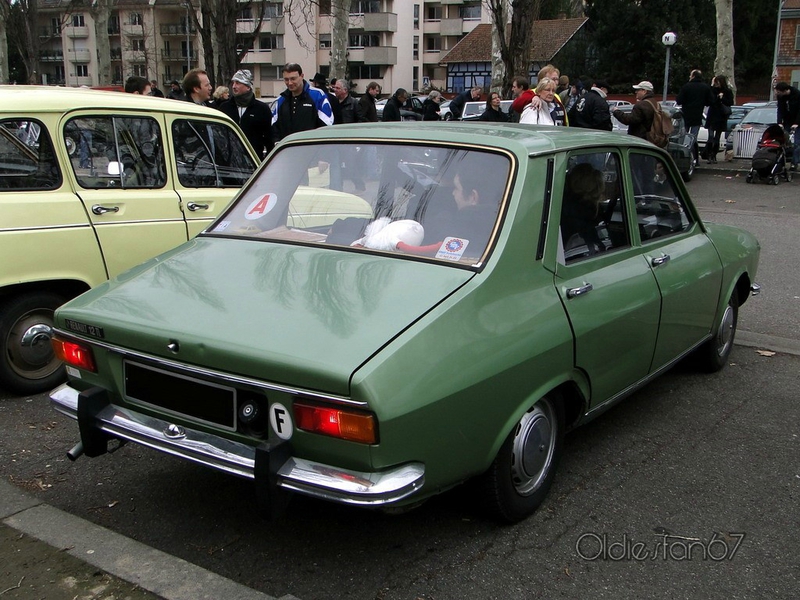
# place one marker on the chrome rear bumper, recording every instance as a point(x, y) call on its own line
point(295, 474)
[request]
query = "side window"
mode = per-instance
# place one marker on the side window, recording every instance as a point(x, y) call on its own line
point(123, 152)
point(593, 214)
point(210, 154)
point(660, 210)
point(27, 157)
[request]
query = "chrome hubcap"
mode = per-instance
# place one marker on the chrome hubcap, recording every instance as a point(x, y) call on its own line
point(30, 352)
point(725, 333)
point(534, 444)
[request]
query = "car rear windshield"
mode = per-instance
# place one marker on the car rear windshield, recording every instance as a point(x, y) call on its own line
point(432, 201)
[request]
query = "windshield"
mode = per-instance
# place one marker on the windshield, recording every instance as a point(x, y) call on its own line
point(764, 116)
point(433, 201)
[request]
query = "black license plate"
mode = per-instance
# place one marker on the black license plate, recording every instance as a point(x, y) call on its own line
point(182, 395)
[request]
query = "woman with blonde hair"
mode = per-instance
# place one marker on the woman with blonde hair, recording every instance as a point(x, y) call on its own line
point(431, 110)
point(550, 111)
point(219, 96)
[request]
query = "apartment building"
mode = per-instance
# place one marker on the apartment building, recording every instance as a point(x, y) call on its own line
point(398, 43)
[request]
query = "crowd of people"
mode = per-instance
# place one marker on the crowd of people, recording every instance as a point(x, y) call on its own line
point(555, 101)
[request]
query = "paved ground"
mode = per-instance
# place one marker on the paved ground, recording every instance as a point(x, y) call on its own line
point(48, 553)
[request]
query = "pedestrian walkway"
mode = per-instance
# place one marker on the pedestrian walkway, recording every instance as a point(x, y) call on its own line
point(48, 553)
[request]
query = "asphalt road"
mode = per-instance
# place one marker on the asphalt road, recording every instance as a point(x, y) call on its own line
point(688, 489)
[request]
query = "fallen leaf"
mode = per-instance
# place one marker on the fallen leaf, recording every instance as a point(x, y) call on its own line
point(113, 504)
point(730, 201)
point(766, 352)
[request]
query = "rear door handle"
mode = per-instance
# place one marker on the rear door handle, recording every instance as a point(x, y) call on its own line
point(579, 291)
point(101, 210)
point(196, 206)
point(659, 260)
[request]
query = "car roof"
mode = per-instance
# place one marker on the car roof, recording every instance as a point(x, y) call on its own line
point(517, 138)
point(38, 98)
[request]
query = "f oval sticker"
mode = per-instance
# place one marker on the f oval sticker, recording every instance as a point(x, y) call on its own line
point(281, 421)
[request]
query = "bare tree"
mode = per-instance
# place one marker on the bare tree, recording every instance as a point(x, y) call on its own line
point(514, 39)
point(100, 11)
point(723, 63)
point(5, 14)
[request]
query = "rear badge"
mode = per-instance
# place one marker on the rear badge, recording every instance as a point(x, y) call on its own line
point(281, 421)
point(85, 329)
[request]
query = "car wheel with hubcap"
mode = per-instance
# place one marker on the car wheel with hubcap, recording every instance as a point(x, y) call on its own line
point(27, 363)
point(523, 470)
point(713, 355)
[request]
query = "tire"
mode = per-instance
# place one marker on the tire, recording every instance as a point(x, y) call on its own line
point(774, 180)
point(27, 363)
point(713, 355)
point(689, 173)
point(523, 470)
point(749, 178)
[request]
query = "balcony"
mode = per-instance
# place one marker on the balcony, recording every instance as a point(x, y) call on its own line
point(49, 32)
point(451, 1)
point(177, 29)
point(275, 57)
point(177, 55)
point(273, 26)
point(376, 55)
point(113, 29)
point(51, 56)
point(116, 53)
point(79, 55)
point(79, 81)
point(432, 57)
point(77, 32)
point(132, 29)
point(380, 22)
point(451, 27)
point(432, 26)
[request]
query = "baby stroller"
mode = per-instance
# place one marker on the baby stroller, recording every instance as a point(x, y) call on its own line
point(769, 159)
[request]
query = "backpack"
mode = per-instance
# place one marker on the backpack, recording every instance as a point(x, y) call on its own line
point(661, 128)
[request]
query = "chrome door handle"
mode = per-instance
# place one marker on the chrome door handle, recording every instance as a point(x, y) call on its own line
point(660, 260)
point(579, 291)
point(101, 210)
point(196, 206)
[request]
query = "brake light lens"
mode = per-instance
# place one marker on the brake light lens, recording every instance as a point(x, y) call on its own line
point(74, 354)
point(336, 422)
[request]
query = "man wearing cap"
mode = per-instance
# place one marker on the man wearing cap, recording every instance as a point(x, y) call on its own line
point(640, 119)
point(591, 110)
point(252, 115)
point(300, 107)
point(320, 82)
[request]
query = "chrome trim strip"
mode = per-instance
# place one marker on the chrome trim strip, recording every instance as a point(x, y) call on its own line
point(299, 475)
point(182, 367)
point(47, 227)
point(597, 410)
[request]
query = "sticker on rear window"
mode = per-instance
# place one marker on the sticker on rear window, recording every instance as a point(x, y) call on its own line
point(260, 207)
point(452, 248)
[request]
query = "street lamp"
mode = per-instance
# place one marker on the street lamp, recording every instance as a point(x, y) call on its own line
point(188, 5)
point(668, 39)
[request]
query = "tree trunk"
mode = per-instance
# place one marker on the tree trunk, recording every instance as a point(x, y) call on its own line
point(499, 13)
point(5, 12)
point(340, 25)
point(723, 63)
point(516, 54)
point(100, 12)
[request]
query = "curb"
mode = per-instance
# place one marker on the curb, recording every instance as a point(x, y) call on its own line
point(152, 570)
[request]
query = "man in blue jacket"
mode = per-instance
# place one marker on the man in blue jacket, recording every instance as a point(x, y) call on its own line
point(301, 107)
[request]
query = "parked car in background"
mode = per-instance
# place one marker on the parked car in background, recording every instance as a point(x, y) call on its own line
point(680, 142)
point(444, 111)
point(473, 110)
point(91, 184)
point(410, 111)
point(746, 134)
point(455, 332)
point(614, 104)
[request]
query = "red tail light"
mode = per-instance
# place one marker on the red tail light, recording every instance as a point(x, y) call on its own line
point(74, 354)
point(336, 422)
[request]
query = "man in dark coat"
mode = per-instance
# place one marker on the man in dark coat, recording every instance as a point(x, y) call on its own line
point(252, 115)
point(391, 112)
point(694, 96)
point(368, 113)
point(591, 110)
point(789, 115)
point(640, 119)
point(348, 105)
point(457, 103)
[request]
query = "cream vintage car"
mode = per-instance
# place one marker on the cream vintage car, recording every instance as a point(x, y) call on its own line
point(93, 183)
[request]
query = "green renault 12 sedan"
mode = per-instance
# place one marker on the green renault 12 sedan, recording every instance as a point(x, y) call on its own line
point(510, 283)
